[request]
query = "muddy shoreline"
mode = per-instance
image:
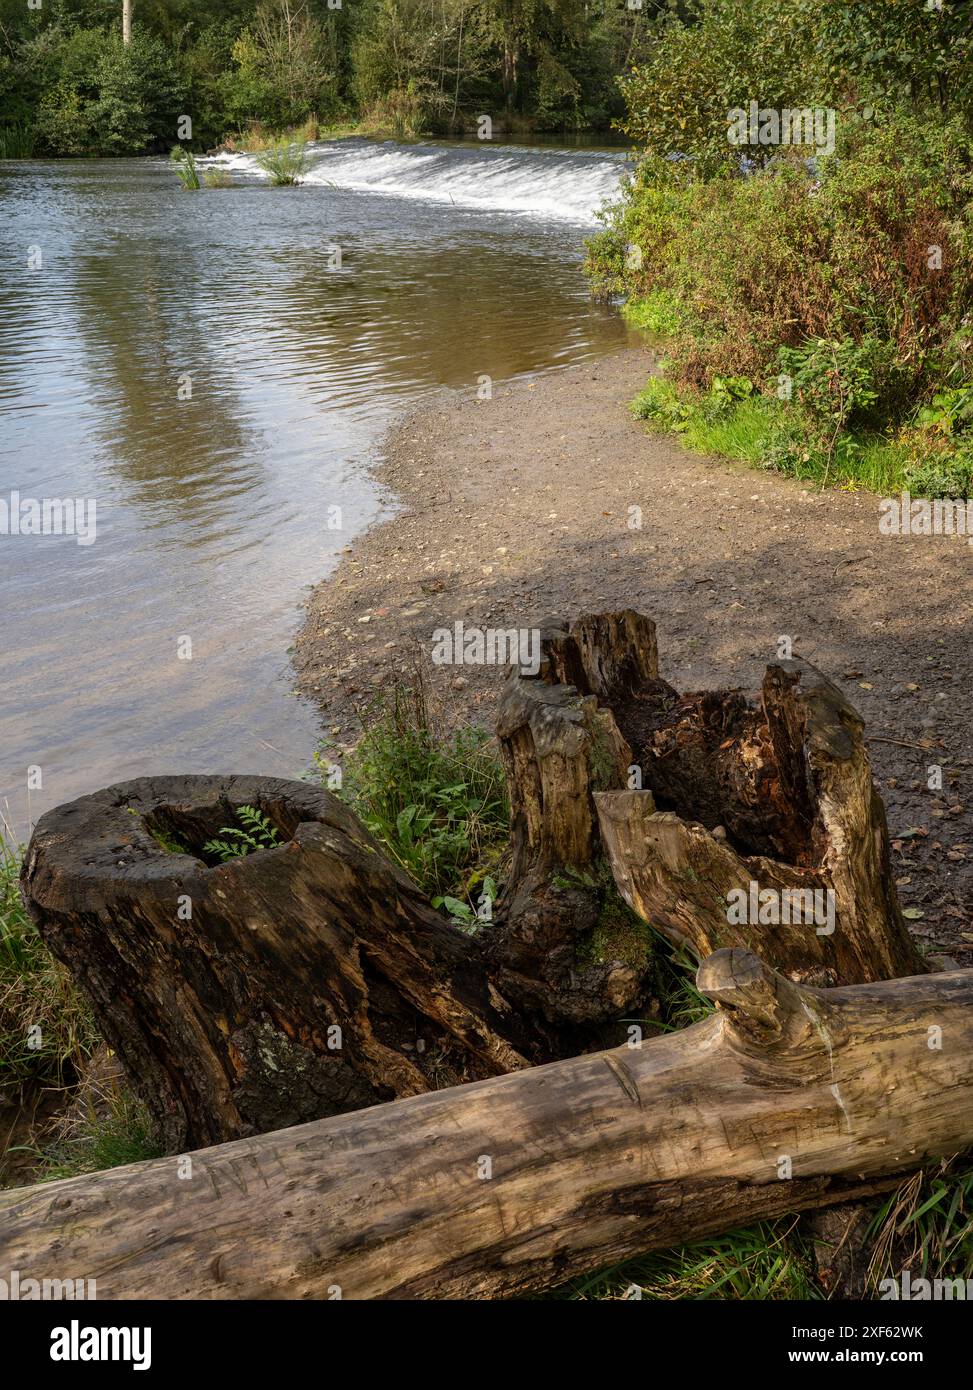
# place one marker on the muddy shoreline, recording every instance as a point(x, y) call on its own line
point(512, 511)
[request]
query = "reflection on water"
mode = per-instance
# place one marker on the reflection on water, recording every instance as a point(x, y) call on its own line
point(200, 367)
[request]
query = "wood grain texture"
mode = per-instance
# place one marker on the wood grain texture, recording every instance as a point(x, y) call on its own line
point(592, 1159)
point(790, 783)
point(225, 1020)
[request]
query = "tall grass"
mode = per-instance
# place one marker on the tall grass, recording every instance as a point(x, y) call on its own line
point(436, 802)
point(46, 1029)
point(185, 165)
point(286, 162)
point(16, 142)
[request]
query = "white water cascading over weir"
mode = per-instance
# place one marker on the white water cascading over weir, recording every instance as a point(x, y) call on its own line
point(565, 185)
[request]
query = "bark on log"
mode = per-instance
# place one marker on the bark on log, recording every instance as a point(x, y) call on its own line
point(221, 986)
point(591, 1160)
point(775, 792)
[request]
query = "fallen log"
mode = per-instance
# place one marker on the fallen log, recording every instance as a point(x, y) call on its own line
point(787, 1097)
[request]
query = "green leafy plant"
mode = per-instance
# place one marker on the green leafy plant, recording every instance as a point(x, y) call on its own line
point(436, 802)
point(186, 167)
point(724, 394)
point(949, 412)
point(286, 162)
point(254, 832)
point(465, 914)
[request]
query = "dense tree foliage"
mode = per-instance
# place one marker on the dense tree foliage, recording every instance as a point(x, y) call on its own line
point(408, 66)
point(806, 287)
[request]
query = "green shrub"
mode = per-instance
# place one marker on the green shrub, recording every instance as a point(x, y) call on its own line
point(856, 283)
point(656, 313)
point(109, 98)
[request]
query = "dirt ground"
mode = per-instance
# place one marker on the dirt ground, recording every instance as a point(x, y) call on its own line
point(508, 512)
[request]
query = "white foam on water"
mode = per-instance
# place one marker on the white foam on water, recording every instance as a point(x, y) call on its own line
point(566, 185)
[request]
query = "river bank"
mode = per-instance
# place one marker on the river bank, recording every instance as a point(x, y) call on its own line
point(516, 509)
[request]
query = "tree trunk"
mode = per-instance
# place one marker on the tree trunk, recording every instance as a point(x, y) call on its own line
point(297, 982)
point(686, 801)
point(126, 22)
point(787, 1097)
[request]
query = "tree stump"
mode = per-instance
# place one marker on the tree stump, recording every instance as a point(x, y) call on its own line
point(297, 982)
point(313, 978)
point(698, 804)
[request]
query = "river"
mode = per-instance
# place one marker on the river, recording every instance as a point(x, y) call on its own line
point(215, 377)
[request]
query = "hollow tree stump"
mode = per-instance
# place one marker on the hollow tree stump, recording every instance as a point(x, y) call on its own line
point(732, 796)
point(314, 978)
point(297, 982)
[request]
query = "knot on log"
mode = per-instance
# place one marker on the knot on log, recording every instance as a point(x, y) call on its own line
point(763, 1007)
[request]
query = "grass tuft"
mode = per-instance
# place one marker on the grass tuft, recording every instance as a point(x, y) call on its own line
point(436, 802)
point(184, 162)
point(112, 1129)
point(286, 162)
point(769, 1261)
point(46, 1029)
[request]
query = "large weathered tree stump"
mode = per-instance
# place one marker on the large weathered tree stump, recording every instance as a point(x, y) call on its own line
point(297, 982)
point(706, 807)
point(787, 1097)
point(313, 978)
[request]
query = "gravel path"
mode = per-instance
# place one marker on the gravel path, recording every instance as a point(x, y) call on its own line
point(514, 510)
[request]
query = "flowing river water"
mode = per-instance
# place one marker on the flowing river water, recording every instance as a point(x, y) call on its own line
point(203, 369)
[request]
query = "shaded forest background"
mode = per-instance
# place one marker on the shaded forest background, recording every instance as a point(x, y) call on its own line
point(401, 66)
